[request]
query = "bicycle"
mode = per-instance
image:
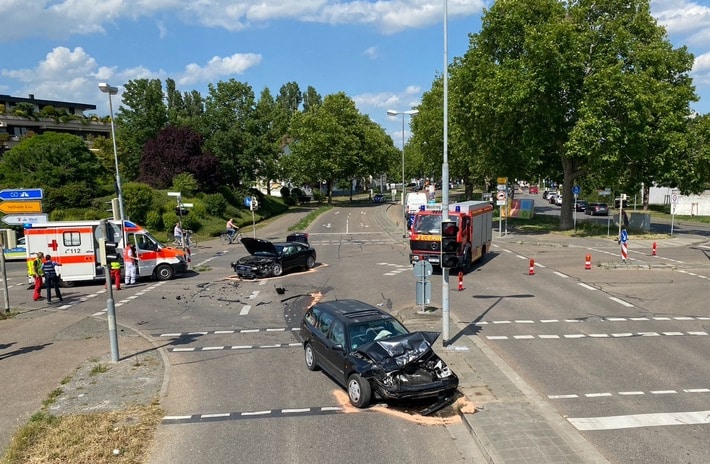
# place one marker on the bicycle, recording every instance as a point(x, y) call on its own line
point(226, 239)
point(189, 241)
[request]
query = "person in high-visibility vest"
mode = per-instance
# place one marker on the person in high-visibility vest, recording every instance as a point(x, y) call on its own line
point(116, 273)
point(35, 270)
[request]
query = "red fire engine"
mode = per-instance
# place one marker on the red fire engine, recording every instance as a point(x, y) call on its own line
point(474, 230)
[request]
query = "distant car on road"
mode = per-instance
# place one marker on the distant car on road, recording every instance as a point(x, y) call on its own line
point(17, 253)
point(378, 198)
point(370, 352)
point(597, 209)
point(581, 205)
point(558, 200)
point(533, 190)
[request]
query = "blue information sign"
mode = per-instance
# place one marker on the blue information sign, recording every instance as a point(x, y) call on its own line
point(576, 190)
point(624, 236)
point(21, 194)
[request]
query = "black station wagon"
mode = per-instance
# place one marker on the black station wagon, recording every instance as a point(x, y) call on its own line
point(369, 352)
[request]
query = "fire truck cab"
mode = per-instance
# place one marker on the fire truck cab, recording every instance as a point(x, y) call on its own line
point(475, 230)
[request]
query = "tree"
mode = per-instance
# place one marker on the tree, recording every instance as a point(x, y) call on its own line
point(61, 164)
point(141, 116)
point(174, 151)
point(229, 110)
point(578, 88)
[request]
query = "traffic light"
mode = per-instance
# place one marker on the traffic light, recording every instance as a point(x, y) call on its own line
point(108, 252)
point(449, 244)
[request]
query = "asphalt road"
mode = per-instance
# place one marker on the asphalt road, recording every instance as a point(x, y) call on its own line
point(620, 344)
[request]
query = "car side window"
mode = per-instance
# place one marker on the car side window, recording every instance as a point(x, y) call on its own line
point(324, 321)
point(337, 333)
point(312, 317)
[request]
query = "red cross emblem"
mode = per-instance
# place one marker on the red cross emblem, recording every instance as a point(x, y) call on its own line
point(53, 245)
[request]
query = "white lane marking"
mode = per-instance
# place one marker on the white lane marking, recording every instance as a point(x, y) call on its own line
point(559, 274)
point(631, 393)
point(640, 420)
point(245, 310)
point(583, 285)
point(254, 294)
point(562, 397)
point(597, 395)
point(621, 302)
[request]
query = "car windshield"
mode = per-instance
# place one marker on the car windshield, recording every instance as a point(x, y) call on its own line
point(367, 332)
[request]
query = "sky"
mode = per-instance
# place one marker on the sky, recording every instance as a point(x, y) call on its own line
point(384, 54)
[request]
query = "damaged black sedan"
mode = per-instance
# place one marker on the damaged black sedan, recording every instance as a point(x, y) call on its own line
point(268, 259)
point(369, 352)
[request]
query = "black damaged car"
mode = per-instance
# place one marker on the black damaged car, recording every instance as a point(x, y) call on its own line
point(268, 259)
point(369, 352)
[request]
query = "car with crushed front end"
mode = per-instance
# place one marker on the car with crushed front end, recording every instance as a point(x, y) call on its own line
point(370, 353)
point(272, 259)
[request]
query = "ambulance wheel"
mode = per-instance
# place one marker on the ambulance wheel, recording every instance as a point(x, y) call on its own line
point(164, 272)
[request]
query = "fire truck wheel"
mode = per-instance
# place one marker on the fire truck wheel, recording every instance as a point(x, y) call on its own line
point(467, 266)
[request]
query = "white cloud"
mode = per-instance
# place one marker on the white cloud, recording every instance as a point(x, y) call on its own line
point(218, 67)
point(371, 52)
point(61, 19)
point(681, 17)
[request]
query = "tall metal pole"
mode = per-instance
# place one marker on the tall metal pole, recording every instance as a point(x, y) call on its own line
point(445, 184)
point(404, 212)
point(104, 87)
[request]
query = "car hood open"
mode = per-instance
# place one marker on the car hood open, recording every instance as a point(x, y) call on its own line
point(398, 351)
point(259, 246)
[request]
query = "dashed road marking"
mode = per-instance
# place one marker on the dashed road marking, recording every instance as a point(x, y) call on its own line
point(226, 332)
point(571, 396)
point(231, 347)
point(268, 413)
point(595, 335)
point(594, 321)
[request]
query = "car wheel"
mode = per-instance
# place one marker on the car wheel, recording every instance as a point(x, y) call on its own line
point(164, 272)
point(277, 270)
point(310, 356)
point(359, 391)
point(310, 262)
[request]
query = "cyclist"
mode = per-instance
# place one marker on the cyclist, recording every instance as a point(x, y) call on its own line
point(231, 229)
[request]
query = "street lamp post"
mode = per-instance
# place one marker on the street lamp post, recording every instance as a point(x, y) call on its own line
point(105, 88)
point(404, 212)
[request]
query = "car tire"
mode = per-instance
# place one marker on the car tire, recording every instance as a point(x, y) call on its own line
point(310, 262)
point(359, 391)
point(277, 270)
point(309, 355)
point(164, 272)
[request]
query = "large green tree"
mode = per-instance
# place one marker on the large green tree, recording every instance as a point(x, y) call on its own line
point(142, 115)
point(61, 164)
point(573, 88)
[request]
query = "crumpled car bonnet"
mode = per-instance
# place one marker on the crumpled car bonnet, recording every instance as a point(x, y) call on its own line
point(398, 351)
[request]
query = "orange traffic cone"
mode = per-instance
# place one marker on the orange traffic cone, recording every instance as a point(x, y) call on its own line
point(532, 267)
point(653, 249)
point(460, 281)
point(588, 262)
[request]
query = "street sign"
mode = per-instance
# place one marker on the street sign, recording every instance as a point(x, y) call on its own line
point(502, 180)
point(500, 196)
point(624, 236)
point(422, 269)
point(21, 206)
point(576, 190)
point(21, 194)
point(16, 219)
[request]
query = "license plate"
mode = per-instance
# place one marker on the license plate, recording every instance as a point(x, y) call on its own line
point(434, 260)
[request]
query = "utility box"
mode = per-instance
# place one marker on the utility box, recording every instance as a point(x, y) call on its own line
point(640, 222)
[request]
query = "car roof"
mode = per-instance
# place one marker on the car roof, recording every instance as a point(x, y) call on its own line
point(353, 311)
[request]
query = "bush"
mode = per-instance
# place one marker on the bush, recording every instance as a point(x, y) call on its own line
point(185, 183)
point(154, 221)
point(215, 204)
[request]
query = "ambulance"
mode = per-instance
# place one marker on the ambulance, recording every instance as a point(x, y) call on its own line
point(74, 245)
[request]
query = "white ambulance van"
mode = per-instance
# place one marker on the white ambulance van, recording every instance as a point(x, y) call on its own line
point(74, 245)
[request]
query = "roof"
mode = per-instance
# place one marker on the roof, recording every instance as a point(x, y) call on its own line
point(351, 311)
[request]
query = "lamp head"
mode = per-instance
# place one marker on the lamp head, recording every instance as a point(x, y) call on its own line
point(105, 88)
point(392, 113)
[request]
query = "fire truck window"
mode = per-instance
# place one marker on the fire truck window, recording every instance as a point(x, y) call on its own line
point(430, 224)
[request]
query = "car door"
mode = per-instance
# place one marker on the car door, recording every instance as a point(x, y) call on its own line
point(291, 257)
point(335, 352)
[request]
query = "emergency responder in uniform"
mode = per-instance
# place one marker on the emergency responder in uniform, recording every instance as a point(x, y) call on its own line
point(115, 266)
point(35, 270)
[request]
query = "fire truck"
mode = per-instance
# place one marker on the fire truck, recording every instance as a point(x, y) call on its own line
point(74, 245)
point(473, 233)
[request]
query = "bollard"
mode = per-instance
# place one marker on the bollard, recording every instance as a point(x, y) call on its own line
point(460, 281)
point(532, 267)
point(624, 251)
point(653, 249)
point(588, 262)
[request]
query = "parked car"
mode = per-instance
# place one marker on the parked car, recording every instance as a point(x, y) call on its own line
point(378, 198)
point(533, 190)
point(551, 197)
point(581, 205)
point(273, 259)
point(369, 352)
point(558, 200)
point(597, 209)
point(17, 253)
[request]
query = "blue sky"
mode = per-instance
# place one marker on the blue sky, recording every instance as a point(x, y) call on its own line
point(383, 54)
